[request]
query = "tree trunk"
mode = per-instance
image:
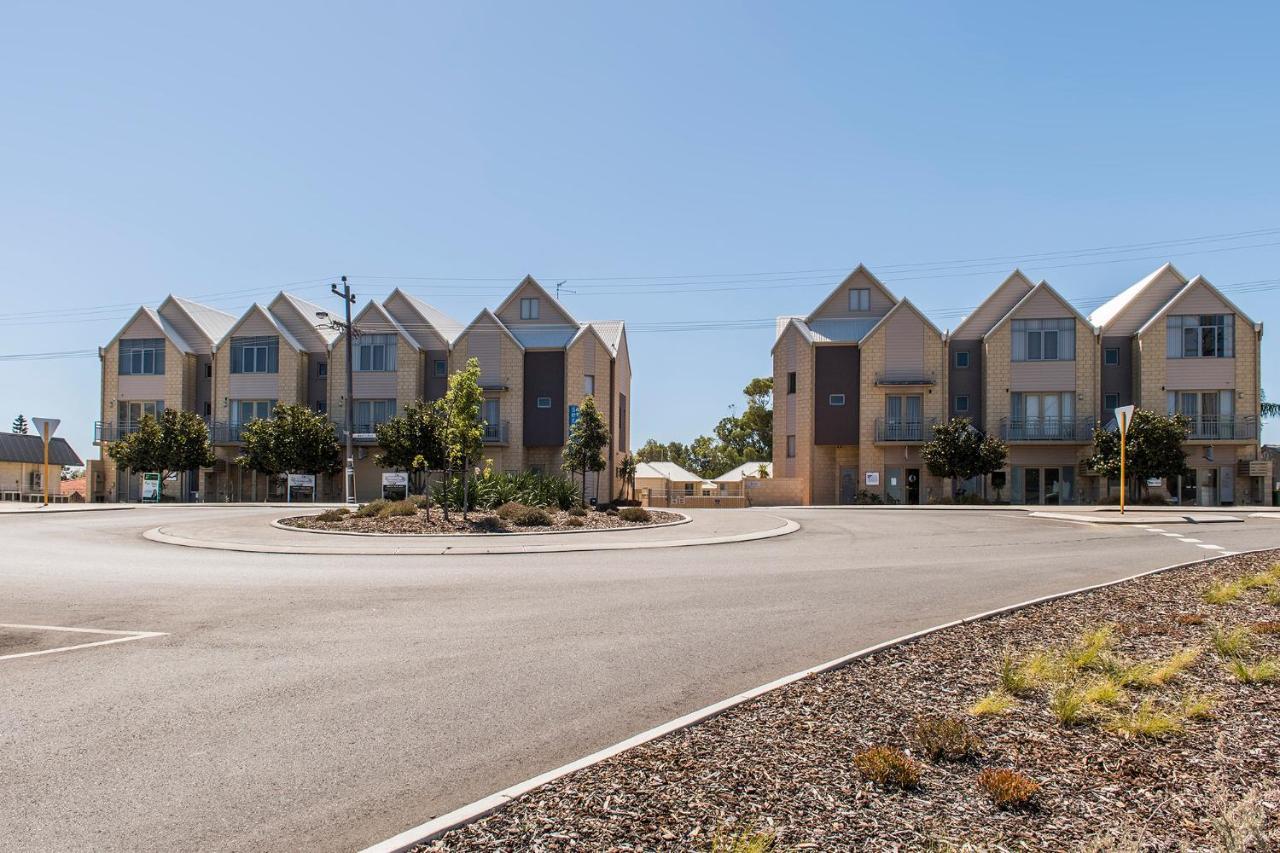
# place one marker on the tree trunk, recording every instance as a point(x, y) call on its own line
point(466, 487)
point(448, 476)
point(584, 485)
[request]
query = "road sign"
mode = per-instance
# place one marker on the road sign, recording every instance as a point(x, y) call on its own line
point(301, 482)
point(573, 415)
point(46, 428)
point(1124, 415)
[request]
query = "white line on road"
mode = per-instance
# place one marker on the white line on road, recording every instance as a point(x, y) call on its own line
point(1187, 539)
point(1212, 547)
point(117, 637)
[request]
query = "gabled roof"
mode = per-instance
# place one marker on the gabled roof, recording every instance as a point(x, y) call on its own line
point(590, 329)
point(444, 325)
point(747, 470)
point(166, 328)
point(544, 335)
point(484, 314)
point(665, 471)
point(828, 330)
point(309, 312)
point(902, 304)
point(16, 447)
point(384, 324)
point(1042, 286)
point(214, 323)
point(1016, 280)
point(1105, 314)
point(258, 310)
point(609, 331)
point(1198, 281)
point(530, 281)
point(861, 269)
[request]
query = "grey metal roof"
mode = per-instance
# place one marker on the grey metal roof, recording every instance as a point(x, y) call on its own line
point(448, 327)
point(545, 336)
point(15, 447)
point(214, 323)
point(841, 330)
point(610, 331)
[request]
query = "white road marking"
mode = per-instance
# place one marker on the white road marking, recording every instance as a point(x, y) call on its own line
point(1172, 535)
point(117, 637)
point(1155, 529)
point(1212, 547)
point(1187, 539)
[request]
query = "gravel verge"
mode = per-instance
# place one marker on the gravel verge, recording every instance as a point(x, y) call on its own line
point(784, 762)
point(478, 523)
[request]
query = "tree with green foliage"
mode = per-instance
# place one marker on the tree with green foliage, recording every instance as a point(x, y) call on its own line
point(463, 427)
point(1269, 410)
point(294, 440)
point(958, 451)
point(20, 425)
point(749, 436)
point(413, 441)
point(177, 441)
point(588, 437)
point(627, 474)
point(1153, 448)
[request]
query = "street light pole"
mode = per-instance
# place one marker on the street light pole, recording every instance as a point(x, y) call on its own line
point(348, 297)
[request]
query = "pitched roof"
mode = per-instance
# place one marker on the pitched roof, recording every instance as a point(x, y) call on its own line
point(166, 328)
point(1042, 285)
point(1108, 311)
point(747, 470)
point(665, 471)
point(486, 313)
point(309, 312)
point(15, 447)
point(1016, 280)
point(281, 330)
point(610, 332)
point(214, 322)
point(544, 335)
point(530, 281)
point(391, 324)
point(1198, 281)
point(447, 327)
point(831, 330)
point(903, 303)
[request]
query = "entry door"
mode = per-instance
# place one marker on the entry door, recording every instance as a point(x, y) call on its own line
point(1226, 485)
point(848, 485)
point(1032, 487)
point(913, 486)
point(1052, 491)
point(893, 490)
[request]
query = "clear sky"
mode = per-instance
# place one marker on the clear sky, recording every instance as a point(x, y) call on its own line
point(660, 157)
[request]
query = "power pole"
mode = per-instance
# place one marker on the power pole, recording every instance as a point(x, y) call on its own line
point(348, 298)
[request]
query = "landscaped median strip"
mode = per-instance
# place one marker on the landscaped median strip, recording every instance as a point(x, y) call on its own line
point(1181, 729)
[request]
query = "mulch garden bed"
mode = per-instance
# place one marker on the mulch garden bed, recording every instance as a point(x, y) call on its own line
point(784, 764)
point(479, 522)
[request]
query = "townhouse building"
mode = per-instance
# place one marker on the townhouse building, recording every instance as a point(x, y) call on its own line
point(860, 382)
point(537, 365)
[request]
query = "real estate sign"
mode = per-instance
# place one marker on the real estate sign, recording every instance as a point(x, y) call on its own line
point(151, 487)
point(302, 484)
point(395, 485)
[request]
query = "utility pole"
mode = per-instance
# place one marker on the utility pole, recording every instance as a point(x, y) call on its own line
point(348, 298)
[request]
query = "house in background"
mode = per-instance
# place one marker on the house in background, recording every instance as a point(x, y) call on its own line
point(666, 484)
point(22, 468)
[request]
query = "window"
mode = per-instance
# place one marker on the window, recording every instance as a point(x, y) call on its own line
point(529, 309)
point(375, 354)
point(544, 402)
point(129, 412)
point(1048, 411)
point(244, 411)
point(835, 400)
point(208, 410)
point(369, 413)
point(1111, 356)
point(321, 406)
point(255, 355)
point(904, 417)
point(962, 359)
point(859, 299)
point(208, 370)
point(1201, 336)
point(962, 403)
point(589, 385)
point(322, 368)
point(1044, 340)
point(1110, 402)
point(791, 447)
point(791, 382)
point(491, 412)
point(441, 367)
point(688, 488)
point(142, 357)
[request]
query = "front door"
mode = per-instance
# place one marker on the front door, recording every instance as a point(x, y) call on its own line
point(893, 490)
point(848, 485)
point(913, 486)
point(1226, 485)
point(1051, 490)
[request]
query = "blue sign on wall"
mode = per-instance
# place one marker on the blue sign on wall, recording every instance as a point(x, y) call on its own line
point(573, 415)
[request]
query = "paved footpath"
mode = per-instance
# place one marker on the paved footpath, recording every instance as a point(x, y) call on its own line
point(331, 701)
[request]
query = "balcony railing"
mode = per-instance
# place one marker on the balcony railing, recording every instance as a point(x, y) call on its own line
point(1047, 429)
point(497, 433)
point(901, 429)
point(907, 378)
point(1222, 428)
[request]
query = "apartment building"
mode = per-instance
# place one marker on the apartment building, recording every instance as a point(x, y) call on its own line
point(860, 382)
point(537, 362)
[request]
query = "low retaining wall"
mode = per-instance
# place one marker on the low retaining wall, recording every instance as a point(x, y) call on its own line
point(775, 491)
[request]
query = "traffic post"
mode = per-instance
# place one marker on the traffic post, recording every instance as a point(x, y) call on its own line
point(46, 427)
point(1124, 415)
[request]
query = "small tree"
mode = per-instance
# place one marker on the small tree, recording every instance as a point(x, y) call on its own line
point(463, 428)
point(178, 441)
point(20, 425)
point(587, 438)
point(1153, 448)
point(627, 474)
point(958, 451)
point(413, 441)
point(762, 472)
point(293, 440)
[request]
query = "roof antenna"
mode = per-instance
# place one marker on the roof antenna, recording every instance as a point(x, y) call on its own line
point(560, 284)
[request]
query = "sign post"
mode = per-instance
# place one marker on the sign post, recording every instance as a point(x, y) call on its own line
point(395, 483)
point(1124, 415)
point(46, 427)
point(151, 488)
point(305, 482)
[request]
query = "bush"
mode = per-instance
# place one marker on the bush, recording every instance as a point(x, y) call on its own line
point(574, 521)
point(1223, 593)
point(1008, 789)
point(887, 767)
point(371, 509)
point(1147, 721)
point(621, 502)
point(1232, 643)
point(331, 515)
point(489, 524)
point(398, 509)
point(865, 497)
point(944, 738)
point(530, 516)
point(1070, 706)
point(496, 488)
point(635, 515)
point(420, 501)
point(578, 511)
point(993, 704)
point(509, 510)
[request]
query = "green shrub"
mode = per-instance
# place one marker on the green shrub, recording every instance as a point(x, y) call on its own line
point(887, 767)
point(530, 516)
point(420, 501)
point(944, 738)
point(331, 515)
point(371, 509)
point(399, 508)
point(1263, 672)
point(1089, 650)
point(1232, 643)
point(1148, 721)
point(635, 514)
point(1223, 593)
point(509, 510)
point(993, 704)
point(1070, 706)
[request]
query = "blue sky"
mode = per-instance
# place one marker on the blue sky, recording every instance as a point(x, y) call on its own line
point(658, 156)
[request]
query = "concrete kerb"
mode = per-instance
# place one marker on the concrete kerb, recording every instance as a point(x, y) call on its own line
point(481, 808)
point(61, 509)
point(1273, 516)
point(683, 519)
point(158, 534)
point(1098, 518)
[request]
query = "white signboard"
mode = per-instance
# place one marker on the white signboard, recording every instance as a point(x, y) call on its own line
point(302, 481)
point(873, 478)
point(151, 487)
point(395, 485)
point(1124, 416)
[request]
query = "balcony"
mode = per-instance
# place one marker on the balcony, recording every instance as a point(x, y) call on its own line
point(497, 433)
point(225, 433)
point(907, 379)
point(899, 430)
point(1065, 430)
point(1222, 428)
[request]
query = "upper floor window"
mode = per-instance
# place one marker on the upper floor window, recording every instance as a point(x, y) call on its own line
point(367, 414)
point(791, 447)
point(244, 411)
point(1201, 336)
point(255, 355)
point(141, 356)
point(835, 400)
point(375, 353)
point(1044, 340)
point(589, 385)
point(322, 368)
point(1110, 401)
point(791, 382)
point(859, 299)
point(441, 367)
point(529, 308)
point(962, 403)
point(1111, 356)
point(962, 359)
point(208, 370)
point(129, 412)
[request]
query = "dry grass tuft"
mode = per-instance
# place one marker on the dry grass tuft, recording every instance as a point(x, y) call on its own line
point(1104, 691)
point(1264, 671)
point(888, 767)
point(1259, 580)
point(944, 738)
point(1189, 619)
point(1273, 596)
point(397, 509)
point(1091, 649)
point(1223, 593)
point(1070, 706)
point(1173, 666)
point(1267, 627)
point(747, 840)
point(1198, 706)
point(1147, 721)
point(993, 704)
point(1008, 789)
point(1014, 679)
point(1233, 643)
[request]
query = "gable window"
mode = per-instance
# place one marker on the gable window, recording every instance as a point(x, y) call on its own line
point(529, 308)
point(375, 353)
point(1201, 336)
point(835, 400)
point(791, 382)
point(142, 357)
point(962, 403)
point(441, 367)
point(589, 385)
point(1044, 340)
point(255, 355)
point(1111, 356)
point(859, 299)
point(1110, 402)
point(369, 413)
point(543, 402)
point(962, 359)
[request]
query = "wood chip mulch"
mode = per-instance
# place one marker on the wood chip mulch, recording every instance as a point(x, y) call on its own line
point(421, 524)
point(783, 762)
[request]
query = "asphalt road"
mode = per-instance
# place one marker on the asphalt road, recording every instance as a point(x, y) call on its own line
point(331, 702)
